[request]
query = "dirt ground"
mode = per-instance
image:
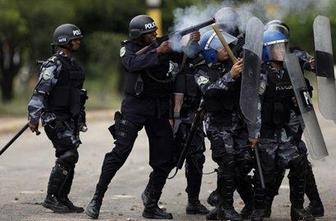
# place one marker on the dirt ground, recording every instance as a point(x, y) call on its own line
point(25, 167)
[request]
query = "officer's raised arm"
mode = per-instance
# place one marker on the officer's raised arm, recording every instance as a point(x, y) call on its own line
point(142, 32)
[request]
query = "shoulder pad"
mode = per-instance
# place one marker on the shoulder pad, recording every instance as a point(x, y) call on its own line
point(197, 62)
point(51, 61)
point(202, 77)
point(124, 42)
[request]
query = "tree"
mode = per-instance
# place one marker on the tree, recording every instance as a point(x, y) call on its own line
point(13, 30)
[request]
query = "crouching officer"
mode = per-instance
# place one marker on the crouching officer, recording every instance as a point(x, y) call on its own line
point(58, 100)
point(149, 78)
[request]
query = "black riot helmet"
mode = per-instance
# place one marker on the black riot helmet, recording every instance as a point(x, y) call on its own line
point(277, 25)
point(64, 33)
point(140, 25)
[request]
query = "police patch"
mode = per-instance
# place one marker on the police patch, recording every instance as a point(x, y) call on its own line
point(47, 73)
point(202, 80)
point(122, 51)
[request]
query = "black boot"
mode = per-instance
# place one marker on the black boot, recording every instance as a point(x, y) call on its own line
point(51, 202)
point(226, 187)
point(228, 214)
point(213, 198)
point(247, 211)
point(257, 215)
point(315, 208)
point(297, 176)
point(212, 215)
point(56, 180)
point(193, 173)
point(268, 207)
point(301, 214)
point(245, 191)
point(273, 190)
point(64, 192)
point(195, 207)
point(259, 198)
point(150, 200)
point(93, 208)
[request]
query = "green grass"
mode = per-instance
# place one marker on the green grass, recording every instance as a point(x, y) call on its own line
point(101, 96)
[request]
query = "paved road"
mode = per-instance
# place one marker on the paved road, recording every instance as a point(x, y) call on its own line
point(25, 167)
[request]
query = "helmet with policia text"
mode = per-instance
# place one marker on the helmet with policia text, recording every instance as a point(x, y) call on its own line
point(210, 44)
point(275, 43)
point(64, 33)
point(140, 25)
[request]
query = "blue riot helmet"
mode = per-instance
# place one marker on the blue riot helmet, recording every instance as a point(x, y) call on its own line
point(210, 45)
point(275, 43)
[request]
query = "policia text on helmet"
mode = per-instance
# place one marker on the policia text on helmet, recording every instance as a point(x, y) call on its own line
point(67, 36)
point(142, 29)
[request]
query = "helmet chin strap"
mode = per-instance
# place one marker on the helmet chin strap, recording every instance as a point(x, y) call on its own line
point(69, 47)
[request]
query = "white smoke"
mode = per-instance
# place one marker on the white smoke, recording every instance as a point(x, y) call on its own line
point(265, 10)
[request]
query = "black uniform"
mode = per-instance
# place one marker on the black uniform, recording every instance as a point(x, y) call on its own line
point(315, 206)
point(146, 104)
point(186, 85)
point(277, 147)
point(58, 100)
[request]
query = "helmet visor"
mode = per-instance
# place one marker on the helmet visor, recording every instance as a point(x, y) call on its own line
point(215, 43)
point(277, 51)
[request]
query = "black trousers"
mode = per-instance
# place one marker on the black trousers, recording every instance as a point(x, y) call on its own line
point(194, 159)
point(151, 113)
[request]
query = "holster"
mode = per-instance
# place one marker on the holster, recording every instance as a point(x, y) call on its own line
point(117, 118)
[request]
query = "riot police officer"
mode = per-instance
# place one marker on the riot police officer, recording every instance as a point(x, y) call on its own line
point(149, 78)
point(58, 100)
point(230, 22)
point(315, 206)
point(187, 99)
point(219, 81)
point(278, 148)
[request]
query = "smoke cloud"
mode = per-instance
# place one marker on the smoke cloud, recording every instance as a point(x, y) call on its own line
point(265, 10)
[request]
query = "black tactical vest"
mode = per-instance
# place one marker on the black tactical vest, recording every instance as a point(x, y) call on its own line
point(217, 101)
point(278, 100)
point(65, 96)
point(156, 82)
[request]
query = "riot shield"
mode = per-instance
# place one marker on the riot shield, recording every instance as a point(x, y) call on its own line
point(313, 134)
point(252, 61)
point(325, 68)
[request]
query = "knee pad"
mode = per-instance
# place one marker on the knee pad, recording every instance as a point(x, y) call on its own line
point(226, 164)
point(219, 153)
point(244, 165)
point(68, 159)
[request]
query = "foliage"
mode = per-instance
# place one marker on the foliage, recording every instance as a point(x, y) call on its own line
point(29, 25)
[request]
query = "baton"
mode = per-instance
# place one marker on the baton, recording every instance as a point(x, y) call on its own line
point(259, 167)
point(15, 137)
point(221, 38)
